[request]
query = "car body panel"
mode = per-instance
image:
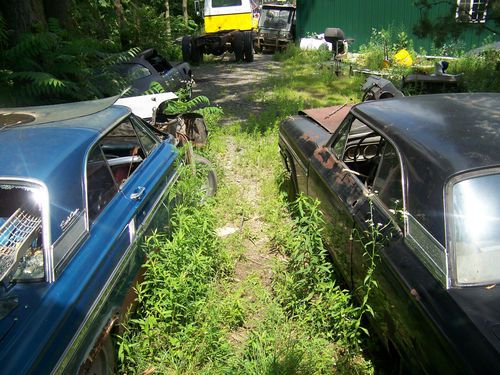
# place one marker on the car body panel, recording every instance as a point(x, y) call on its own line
point(55, 324)
point(436, 329)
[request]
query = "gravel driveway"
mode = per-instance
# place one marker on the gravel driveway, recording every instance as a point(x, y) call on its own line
point(231, 85)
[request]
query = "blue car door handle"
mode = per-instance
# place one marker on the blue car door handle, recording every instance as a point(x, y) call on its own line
point(138, 193)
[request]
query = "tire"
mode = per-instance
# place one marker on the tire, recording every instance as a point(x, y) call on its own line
point(206, 171)
point(248, 45)
point(105, 361)
point(196, 53)
point(186, 48)
point(238, 44)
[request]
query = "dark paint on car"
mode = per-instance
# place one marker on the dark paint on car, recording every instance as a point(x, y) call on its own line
point(149, 66)
point(429, 165)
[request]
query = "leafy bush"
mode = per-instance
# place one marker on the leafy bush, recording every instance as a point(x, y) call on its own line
point(383, 45)
point(481, 73)
point(53, 67)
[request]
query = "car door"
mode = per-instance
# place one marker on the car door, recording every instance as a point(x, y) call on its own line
point(383, 269)
point(129, 172)
point(333, 183)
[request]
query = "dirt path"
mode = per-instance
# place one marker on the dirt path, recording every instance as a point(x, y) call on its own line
point(231, 85)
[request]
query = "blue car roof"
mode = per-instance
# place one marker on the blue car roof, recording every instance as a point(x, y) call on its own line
point(52, 148)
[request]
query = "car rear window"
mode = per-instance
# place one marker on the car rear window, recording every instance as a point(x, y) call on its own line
point(475, 238)
point(21, 249)
point(225, 3)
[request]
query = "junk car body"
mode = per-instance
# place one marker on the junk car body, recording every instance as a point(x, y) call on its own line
point(149, 66)
point(276, 27)
point(428, 167)
point(81, 185)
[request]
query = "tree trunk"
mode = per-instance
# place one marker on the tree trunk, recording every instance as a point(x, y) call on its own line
point(185, 11)
point(60, 10)
point(167, 18)
point(22, 15)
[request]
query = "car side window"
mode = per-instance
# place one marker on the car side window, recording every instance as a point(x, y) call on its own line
point(101, 187)
point(388, 184)
point(113, 160)
point(374, 161)
point(339, 144)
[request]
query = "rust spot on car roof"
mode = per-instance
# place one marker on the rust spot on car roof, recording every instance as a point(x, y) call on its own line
point(329, 118)
point(10, 119)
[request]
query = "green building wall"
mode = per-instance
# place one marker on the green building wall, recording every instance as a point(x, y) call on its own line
point(358, 17)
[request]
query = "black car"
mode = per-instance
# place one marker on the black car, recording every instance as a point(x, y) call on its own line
point(429, 166)
point(149, 66)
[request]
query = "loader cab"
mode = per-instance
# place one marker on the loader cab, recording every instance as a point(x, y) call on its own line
point(223, 15)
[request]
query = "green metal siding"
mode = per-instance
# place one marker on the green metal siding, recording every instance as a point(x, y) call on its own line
point(358, 17)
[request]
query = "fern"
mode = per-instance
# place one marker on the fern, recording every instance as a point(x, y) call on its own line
point(54, 67)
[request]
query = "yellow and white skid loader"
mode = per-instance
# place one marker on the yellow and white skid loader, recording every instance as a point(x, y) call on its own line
point(229, 26)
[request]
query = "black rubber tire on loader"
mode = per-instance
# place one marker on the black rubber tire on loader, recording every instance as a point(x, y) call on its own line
point(238, 44)
point(196, 53)
point(248, 45)
point(186, 48)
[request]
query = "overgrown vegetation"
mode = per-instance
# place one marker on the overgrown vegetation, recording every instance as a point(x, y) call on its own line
point(72, 58)
point(480, 71)
point(248, 311)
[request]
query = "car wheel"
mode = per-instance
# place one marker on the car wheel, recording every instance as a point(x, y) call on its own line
point(105, 361)
point(248, 45)
point(238, 45)
point(186, 48)
point(206, 172)
point(196, 53)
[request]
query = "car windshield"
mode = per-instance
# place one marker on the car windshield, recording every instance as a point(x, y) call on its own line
point(21, 255)
point(475, 238)
point(275, 18)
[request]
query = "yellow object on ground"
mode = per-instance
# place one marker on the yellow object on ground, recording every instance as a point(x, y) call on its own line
point(241, 21)
point(403, 57)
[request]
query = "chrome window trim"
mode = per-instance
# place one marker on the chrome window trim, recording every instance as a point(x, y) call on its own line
point(295, 156)
point(404, 185)
point(430, 252)
point(111, 282)
point(45, 203)
point(85, 162)
point(448, 218)
point(368, 192)
point(347, 121)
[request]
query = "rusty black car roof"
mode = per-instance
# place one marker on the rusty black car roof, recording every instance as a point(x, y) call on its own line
point(438, 136)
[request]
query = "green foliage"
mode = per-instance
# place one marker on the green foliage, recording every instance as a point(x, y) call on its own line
point(199, 104)
point(481, 73)
point(306, 288)
point(139, 24)
point(383, 45)
point(53, 66)
point(178, 276)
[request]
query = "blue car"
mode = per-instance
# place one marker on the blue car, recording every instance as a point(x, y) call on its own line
point(81, 185)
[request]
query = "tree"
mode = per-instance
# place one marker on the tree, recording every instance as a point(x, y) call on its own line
point(456, 18)
point(185, 12)
point(25, 15)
